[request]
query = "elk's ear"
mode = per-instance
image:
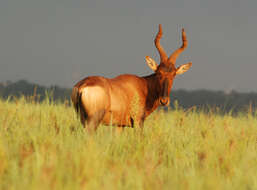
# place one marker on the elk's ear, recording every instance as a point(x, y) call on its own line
point(183, 68)
point(151, 63)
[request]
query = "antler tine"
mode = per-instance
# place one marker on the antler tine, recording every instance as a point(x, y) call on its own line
point(173, 57)
point(163, 56)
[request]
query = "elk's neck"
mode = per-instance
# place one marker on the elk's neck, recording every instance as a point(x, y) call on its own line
point(153, 93)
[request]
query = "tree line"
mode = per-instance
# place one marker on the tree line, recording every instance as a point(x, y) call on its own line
point(199, 99)
point(33, 91)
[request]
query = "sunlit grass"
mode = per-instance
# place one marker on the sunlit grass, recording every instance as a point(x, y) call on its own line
point(43, 146)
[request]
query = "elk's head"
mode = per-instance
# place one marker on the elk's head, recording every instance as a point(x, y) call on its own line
point(166, 70)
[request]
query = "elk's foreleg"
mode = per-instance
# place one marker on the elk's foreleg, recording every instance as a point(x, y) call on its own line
point(137, 123)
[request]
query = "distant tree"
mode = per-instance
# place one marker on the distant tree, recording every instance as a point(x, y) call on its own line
point(25, 88)
point(205, 98)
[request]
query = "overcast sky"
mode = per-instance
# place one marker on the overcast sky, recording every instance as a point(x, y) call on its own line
point(62, 41)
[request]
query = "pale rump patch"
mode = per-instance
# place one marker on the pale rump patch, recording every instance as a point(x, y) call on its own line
point(94, 99)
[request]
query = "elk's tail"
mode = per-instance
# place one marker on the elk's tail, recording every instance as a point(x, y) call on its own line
point(76, 98)
point(77, 103)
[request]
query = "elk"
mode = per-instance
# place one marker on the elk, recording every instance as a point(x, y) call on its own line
point(127, 99)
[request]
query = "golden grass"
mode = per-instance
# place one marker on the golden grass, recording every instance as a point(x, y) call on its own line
point(43, 146)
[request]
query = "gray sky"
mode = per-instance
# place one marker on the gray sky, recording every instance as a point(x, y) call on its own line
point(61, 41)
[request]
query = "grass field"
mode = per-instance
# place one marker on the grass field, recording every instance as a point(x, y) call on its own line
point(43, 146)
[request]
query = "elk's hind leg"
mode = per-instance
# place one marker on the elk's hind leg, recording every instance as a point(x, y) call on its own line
point(94, 120)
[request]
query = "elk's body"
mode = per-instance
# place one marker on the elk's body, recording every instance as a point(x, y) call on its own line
point(127, 100)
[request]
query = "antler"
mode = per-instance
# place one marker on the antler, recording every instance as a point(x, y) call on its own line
point(163, 56)
point(173, 57)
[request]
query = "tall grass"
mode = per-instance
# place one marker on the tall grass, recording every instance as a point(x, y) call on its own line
point(43, 146)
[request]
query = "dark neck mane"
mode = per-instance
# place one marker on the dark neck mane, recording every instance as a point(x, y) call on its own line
point(153, 87)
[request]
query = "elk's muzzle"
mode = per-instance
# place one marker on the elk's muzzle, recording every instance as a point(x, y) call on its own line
point(165, 101)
